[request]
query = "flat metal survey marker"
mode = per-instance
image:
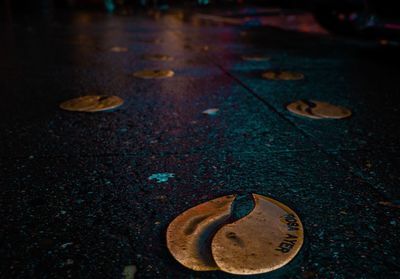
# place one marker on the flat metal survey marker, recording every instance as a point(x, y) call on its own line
point(157, 57)
point(269, 237)
point(282, 75)
point(154, 74)
point(92, 103)
point(318, 110)
point(119, 49)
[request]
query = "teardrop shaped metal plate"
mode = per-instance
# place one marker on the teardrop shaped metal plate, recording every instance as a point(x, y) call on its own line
point(189, 235)
point(326, 110)
point(266, 239)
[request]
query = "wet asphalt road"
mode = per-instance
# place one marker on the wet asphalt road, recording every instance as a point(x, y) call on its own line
point(76, 201)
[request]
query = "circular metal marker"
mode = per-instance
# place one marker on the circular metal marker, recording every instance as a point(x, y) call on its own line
point(266, 239)
point(118, 49)
point(153, 74)
point(255, 58)
point(157, 57)
point(188, 235)
point(92, 103)
point(318, 110)
point(282, 75)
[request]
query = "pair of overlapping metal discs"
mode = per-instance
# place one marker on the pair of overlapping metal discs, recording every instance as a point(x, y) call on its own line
point(318, 110)
point(92, 103)
point(308, 108)
point(266, 239)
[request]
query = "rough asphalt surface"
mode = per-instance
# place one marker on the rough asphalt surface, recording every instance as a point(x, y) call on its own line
point(76, 200)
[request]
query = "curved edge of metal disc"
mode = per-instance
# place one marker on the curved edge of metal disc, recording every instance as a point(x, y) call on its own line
point(189, 234)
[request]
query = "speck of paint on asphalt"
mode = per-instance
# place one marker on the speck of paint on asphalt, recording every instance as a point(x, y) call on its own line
point(161, 177)
point(65, 245)
point(211, 111)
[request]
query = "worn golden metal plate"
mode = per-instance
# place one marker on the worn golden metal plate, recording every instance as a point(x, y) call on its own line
point(153, 74)
point(282, 75)
point(118, 49)
point(92, 103)
point(157, 57)
point(318, 110)
point(188, 235)
point(266, 239)
point(255, 58)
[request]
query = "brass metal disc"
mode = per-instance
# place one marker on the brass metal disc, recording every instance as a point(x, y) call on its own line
point(318, 110)
point(255, 58)
point(265, 240)
point(282, 75)
point(326, 110)
point(158, 57)
point(189, 234)
point(118, 49)
point(92, 103)
point(153, 74)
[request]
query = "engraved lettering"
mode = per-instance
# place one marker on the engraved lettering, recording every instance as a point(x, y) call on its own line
point(290, 240)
